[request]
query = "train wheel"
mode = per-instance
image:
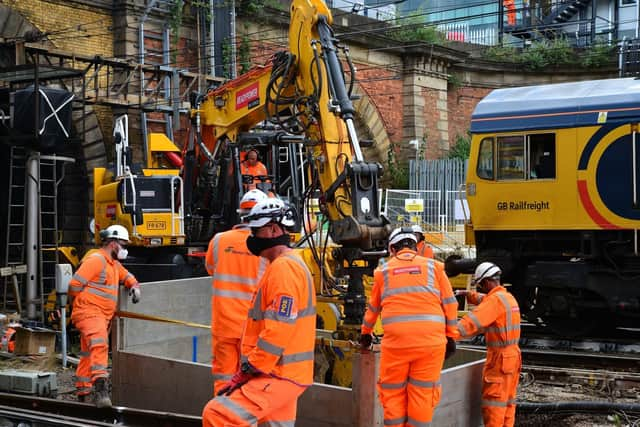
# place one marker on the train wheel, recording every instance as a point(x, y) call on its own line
point(564, 316)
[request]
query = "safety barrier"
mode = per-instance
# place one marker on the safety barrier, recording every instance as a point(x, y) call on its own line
point(153, 366)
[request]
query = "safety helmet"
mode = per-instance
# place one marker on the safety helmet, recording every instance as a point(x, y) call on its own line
point(115, 232)
point(417, 228)
point(486, 270)
point(270, 210)
point(400, 234)
point(250, 199)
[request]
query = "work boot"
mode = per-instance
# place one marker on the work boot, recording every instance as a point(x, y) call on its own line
point(101, 393)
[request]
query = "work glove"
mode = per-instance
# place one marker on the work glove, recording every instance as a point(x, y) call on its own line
point(135, 294)
point(451, 348)
point(240, 378)
point(365, 341)
point(461, 293)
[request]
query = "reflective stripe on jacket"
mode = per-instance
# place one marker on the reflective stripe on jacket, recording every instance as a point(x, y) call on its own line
point(235, 273)
point(425, 250)
point(413, 296)
point(94, 286)
point(497, 316)
point(279, 336)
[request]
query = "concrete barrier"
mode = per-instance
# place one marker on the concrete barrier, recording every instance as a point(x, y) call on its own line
point(152, 369)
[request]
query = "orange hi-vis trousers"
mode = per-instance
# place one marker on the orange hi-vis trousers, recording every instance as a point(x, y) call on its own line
point(94, 352)
point(264, 401)
point(226, 360)
point(409, 384)
point(499, 386)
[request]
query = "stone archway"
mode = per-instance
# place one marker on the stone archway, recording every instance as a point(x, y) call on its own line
point(370, 125)
point(77, 205)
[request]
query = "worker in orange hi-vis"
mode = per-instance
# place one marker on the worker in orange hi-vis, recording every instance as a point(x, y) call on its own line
point(279, 337)
point(94, 290)
point(235, 272)
point(510, 6)
point(497, 315)
point(423, 248)
point(414, 299)
point(252, 166)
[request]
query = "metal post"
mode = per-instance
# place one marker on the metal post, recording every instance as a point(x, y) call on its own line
point(212, 51)
point(31, 243)
point(233, 40)
point(366, 411)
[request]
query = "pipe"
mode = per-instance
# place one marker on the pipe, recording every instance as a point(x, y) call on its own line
point(31, 243)
point(194, 354)
point(581, 405)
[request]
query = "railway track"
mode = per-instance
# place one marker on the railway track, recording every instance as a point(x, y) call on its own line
point(606, 368)
point(44, 412)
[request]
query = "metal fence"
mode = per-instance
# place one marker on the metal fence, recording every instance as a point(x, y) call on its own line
point(440, 184)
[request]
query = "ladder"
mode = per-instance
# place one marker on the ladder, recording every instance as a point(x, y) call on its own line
point(14, 247)
point(50, 175)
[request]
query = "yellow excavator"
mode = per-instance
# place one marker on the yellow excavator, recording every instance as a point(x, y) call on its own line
point(297, 113)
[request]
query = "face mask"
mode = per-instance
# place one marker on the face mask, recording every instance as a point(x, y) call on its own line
point(122, 253)
point(258, 244)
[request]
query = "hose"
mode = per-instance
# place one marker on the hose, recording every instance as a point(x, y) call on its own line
point(582, 406)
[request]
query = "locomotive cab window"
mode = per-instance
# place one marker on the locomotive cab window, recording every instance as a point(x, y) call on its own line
point(542, 156)
point(511, 158)
point(485, 159)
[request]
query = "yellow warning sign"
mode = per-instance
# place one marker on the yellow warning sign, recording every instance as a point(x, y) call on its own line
point(414, 205)
point(602, 117)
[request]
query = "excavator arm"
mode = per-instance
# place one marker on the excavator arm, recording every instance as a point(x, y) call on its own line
point(303, 92)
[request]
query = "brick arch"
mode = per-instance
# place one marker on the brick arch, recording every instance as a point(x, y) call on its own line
point(91, 153)
point(371, 125)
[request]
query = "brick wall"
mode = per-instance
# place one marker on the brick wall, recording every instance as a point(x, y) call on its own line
point(461, 103)
point(71, 26)
point(385, 91)
point(431, 118)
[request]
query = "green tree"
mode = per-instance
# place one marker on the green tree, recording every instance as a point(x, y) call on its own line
point(461, 148)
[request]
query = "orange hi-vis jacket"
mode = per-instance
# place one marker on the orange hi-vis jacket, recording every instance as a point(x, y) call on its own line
point(424, 250)
point(236, 273)
point(258, 169)
point(279, 336)
point(94, 286)
point(415, 300)
point(497, 315)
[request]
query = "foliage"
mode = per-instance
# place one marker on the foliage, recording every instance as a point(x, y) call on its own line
point(553, 53)
point(244, 53)
point(544, 53)
point(500, 53)
point(413, 29)
point(455, 81)
point(226, 58)
point(599, 55)
point(175, 21)
point(461, 148)
point(399, 173)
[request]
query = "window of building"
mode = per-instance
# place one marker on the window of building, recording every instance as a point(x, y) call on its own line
point(485, 159)
point(511, 159)
point(627, 2)
point(542, 156)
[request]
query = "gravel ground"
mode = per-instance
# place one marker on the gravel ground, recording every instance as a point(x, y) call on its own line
point(536, 392)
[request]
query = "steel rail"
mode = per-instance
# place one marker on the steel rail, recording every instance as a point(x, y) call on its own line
point(99, 416)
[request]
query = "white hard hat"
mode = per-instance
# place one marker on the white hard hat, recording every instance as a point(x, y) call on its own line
point(115, 232)
point(417, 228)
point(250, 199)
point(270, 210)
point(400, 234)
point(486, 270)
